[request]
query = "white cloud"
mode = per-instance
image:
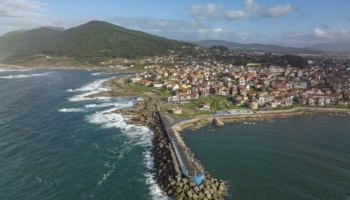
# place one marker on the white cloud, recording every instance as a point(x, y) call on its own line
point(280, 10)
point(202, 12)
point(20, 8)
point(343, 34)
point(145, 23)
point(318, 35)
point(203, 34)
point(250, 9)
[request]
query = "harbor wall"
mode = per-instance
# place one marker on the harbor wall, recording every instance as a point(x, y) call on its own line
point(172, 158)
point(198, 122)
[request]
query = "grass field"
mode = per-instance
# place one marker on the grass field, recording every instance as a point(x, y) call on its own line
point(217, 102)
point(161, 93)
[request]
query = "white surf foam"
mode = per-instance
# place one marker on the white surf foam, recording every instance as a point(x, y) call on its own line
point(13, 70)
point(96, 74)
point(136, 135)
point(105, 176)
point(24, 75)
point(139, 135)
point(102, 105)
point(89, 89)
point(151, 182)
point(71, 110)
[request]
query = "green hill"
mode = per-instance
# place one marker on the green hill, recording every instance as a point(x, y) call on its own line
point(88, 42)
point(257, 47)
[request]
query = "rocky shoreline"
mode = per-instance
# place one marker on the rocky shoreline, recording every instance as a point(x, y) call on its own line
point(167, 170)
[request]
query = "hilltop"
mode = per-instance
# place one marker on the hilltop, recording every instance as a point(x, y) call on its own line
point(92, 42)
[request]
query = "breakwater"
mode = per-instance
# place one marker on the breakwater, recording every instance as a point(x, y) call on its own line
point(198, 122)
point(178, 173)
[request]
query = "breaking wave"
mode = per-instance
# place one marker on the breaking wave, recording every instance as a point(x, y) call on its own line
point(24, 75)
point(134, 135)
point(71, 110)
point(92, 88)
point(13, 70)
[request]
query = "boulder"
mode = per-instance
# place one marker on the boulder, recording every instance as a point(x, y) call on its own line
point(217, 122)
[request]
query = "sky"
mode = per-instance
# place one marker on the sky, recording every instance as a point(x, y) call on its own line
point(296, 23)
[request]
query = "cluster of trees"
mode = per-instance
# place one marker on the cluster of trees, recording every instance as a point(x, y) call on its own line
point(89, 42)
point(293, 60)
point(221, 48)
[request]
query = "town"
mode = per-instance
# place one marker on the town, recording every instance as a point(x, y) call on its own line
point(322, 82)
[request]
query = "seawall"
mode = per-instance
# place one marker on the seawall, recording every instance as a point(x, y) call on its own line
point(179, 174)
point(198, 122)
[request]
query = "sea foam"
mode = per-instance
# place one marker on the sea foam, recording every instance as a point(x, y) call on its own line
point(136, 135)
point(24, 75)
point(89, 89)
point(71, 110)
point(13, 70)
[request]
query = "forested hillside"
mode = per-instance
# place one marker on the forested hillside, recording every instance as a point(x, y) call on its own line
point(87, 42)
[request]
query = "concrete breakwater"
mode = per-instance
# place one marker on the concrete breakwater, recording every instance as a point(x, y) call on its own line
point(174, 172)
point(198, 122)
point(169, 151)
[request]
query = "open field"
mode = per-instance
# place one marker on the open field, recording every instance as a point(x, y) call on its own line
point(217, 102)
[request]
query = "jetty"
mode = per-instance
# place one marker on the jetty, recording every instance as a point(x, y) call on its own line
point(188, 167)
point(179, 173)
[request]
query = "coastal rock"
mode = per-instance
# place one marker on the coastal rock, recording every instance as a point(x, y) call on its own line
point(218, 122)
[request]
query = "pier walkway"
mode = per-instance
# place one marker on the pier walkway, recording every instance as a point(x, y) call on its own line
point(189, 168)
point(186, 165)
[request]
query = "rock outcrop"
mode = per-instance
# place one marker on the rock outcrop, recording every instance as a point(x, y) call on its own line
point(218, 122)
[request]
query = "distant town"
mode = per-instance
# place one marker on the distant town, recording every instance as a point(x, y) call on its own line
point(323, 82)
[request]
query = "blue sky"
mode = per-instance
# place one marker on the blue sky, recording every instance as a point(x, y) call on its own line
point(291, 23)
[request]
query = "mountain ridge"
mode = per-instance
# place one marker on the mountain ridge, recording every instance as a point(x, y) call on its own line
point(89, 41)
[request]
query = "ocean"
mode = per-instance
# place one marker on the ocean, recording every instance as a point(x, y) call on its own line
point(57, 144)
point(304, 157)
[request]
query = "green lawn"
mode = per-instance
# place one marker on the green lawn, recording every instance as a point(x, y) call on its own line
point(145, 88)
point(161, 93)
point(201, 113)
point(217, 102)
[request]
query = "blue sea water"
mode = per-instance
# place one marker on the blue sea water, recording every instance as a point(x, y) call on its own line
point(303, 158)
point(57, 144)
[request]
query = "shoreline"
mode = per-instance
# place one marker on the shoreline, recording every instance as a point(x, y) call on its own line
point(19, 67)
point(67, 67)
point(167, 172)
point(197, 122)
point(169, 176)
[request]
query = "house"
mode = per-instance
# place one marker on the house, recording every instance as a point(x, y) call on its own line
point(237, 99)
point(158, 85)
point(299, 83)
point(252, 105)
point(134, 80)
point(206, 106)
point(144, 82)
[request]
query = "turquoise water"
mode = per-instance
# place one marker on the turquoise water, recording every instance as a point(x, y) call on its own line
point(56, 144)
point(304, 157)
